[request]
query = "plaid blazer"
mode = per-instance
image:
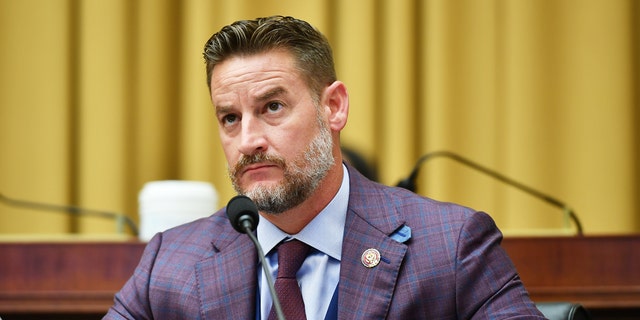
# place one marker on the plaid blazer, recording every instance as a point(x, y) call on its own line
point(450, 266)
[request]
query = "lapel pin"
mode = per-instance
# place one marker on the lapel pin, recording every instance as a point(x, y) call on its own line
point(370, 258)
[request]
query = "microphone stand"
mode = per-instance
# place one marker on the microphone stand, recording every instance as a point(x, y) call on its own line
point(121, 219)
point(244, 217)
point(409, 183)
point(267, 272)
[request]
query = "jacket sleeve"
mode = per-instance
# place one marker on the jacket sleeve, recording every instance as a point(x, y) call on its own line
point(132, 301)
point(487, 283)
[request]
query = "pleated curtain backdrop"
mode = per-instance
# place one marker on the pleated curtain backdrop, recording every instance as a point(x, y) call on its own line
point(98, 97)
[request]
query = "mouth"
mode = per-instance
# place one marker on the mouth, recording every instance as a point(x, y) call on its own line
point(256, 167)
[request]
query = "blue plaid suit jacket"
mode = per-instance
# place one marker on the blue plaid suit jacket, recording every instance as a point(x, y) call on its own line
point(452, 267)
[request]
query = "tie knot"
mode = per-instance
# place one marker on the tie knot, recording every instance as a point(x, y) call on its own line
point(291, 254)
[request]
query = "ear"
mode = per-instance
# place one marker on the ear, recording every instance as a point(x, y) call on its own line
point(336, 103)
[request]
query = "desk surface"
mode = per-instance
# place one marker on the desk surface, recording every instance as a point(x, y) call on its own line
point(599, 271)
point(82, 277)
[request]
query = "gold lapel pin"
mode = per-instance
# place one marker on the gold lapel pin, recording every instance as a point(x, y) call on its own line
point(370, 258)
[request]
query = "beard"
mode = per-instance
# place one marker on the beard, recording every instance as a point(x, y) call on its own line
point(302, 176)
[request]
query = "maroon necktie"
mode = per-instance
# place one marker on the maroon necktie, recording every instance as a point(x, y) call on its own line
point(291, 254)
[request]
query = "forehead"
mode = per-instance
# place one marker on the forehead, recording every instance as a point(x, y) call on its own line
point(257, 68)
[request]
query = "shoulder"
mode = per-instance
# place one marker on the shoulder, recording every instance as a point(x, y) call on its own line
point(432, 223)
point(375, 201)
point(194, 240)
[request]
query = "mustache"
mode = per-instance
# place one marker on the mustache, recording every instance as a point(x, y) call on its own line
point(247, 160)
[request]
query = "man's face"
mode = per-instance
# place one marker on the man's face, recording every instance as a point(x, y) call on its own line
point(277, 146)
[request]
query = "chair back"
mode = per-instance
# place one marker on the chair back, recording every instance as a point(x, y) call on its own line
point(563, 311)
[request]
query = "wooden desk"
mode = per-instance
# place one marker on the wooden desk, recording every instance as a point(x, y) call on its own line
point(63, 278)
point(78, 279)
point(595, 271)
point(600, 272)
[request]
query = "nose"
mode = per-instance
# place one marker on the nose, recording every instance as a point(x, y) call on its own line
point(252, 136)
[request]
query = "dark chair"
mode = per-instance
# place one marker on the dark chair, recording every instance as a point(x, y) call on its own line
point(563, 311)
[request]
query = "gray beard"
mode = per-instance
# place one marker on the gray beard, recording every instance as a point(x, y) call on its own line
point(302, 176)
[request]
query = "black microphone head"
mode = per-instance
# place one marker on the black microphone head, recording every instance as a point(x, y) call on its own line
point(241, 212)
point(408, 184)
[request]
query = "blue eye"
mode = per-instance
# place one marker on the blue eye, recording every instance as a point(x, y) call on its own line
point(229, 119)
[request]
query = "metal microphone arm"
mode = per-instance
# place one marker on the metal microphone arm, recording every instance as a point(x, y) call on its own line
point(409, 183)
point(267, 273)
point(121, 219)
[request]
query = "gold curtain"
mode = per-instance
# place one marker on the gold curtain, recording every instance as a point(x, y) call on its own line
point(98, 97)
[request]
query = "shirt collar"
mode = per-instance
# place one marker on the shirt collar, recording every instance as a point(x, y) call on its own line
point(324, 232)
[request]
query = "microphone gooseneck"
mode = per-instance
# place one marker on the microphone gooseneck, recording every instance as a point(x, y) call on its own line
point(243, 216)
point(409, 183)
point(121, 219)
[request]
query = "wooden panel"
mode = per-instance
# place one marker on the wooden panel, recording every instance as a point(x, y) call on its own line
point(64, 277)
point(75, 278)
point(598, 272)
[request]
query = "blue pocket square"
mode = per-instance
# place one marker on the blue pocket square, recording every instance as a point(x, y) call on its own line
point(402, 234)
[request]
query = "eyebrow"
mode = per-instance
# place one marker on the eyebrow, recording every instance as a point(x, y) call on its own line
point(263, 97)
point(221, 109)
point(271, 93)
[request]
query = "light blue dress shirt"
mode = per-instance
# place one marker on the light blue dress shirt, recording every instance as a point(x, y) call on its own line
point(320, 272)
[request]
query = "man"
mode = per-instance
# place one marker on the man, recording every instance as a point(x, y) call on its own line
point(375, 251)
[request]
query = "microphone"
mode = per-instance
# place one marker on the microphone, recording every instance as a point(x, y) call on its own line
point(121, 219)
point(409, 183)
point(243, 215)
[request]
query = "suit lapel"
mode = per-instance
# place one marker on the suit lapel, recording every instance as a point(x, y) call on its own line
point(227, 280)
point(365, 293)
